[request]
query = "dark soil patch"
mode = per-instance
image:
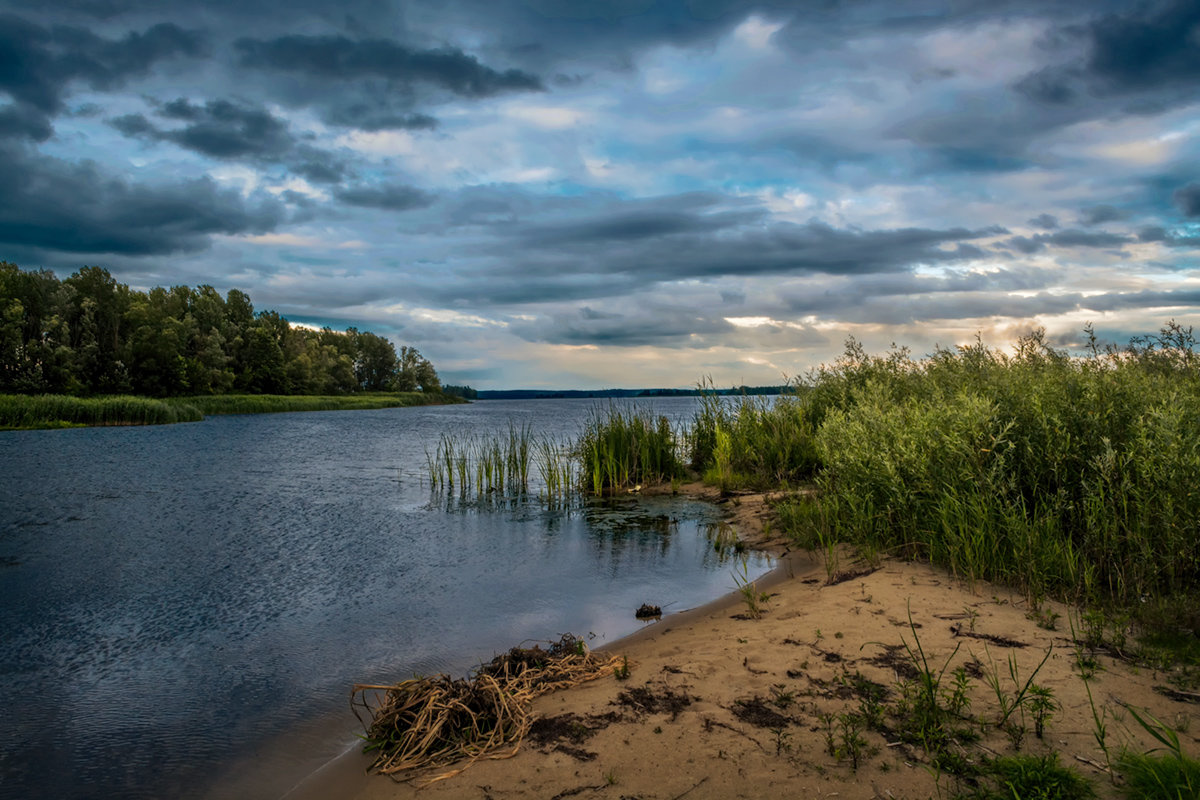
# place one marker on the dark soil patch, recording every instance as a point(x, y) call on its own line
point(563, 732)
point(648, 700)
point(755, 712)
point(577, 753)
point(849, 575)
point(832, 689)
point(564, 727)
point(896, 659)
point(1177, 695)
point(999, 641)
point(811, 581)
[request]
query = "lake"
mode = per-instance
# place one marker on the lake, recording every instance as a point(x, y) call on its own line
point(182, 602)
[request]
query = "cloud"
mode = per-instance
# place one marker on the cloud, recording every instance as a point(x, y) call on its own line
point(1098, 215)
point(1044, 221)
point(40, 62)
point(1143, 48)
point(338, 58)
point(19, 121)
point(225, 130)
point(388, 197)
point(1187, 198)
point(79, 208)
point(644, 326)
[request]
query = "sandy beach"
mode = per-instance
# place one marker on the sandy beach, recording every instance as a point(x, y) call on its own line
point(720, 704)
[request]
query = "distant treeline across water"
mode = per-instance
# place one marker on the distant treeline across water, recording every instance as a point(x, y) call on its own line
point(90, 335)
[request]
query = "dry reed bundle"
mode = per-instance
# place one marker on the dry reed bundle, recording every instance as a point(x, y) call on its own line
point(427, 722)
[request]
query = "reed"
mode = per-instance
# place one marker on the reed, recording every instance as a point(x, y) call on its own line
point(499, 465)
point(274, 403)
point(623, 448)
point(63, 411)
point(752, 442)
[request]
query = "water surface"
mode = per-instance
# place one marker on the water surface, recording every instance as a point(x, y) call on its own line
point(172, 598)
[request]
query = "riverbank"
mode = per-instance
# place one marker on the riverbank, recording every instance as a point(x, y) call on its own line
point(33, 412)
point(818, 694)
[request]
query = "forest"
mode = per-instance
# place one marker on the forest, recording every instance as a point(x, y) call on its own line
point(89, 335)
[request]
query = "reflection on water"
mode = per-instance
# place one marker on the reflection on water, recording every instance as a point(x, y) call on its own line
point(171, 598)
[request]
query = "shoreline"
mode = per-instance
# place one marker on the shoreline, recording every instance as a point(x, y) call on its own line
point(725, 705)
point(346, 774)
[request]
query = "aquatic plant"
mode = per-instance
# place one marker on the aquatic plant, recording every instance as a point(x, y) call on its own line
point(622, 448)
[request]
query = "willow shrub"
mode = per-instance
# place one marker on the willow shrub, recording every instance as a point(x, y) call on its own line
point(621, 448)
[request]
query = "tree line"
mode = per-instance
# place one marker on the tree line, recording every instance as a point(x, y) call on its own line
point(90, 335)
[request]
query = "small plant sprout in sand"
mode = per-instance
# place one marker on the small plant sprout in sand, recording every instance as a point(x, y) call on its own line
point(754, 599)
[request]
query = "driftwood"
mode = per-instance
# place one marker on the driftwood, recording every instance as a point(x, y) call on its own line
point(433, 722)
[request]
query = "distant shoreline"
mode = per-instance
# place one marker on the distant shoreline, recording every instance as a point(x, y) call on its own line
point(42, 412)
point(591, 394)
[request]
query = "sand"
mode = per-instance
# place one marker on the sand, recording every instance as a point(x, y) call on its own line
point(720, 704)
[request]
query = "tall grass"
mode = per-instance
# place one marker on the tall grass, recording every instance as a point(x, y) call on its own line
point(59, 411)
point(622, 448)
point(752, 442)
point(1071, 476)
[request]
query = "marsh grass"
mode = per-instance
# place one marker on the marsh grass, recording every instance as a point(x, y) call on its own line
point(621, 449)
point(274, 403)
point(63, 411)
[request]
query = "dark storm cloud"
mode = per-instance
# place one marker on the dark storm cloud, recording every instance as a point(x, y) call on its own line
point(1069, 237)
point(1147, 48)
point(634, 225)
point(1187, 198)
point(865, 297)
point(219, 129)
point(693, 246)
point(1047, 222)
point(646, 326)
point(388, 197)
point(38, 63)
point(1146, 54)
point(1098, 215)
point(338, 58)
point(236, 131)
point(78, 208)
point(19, 121)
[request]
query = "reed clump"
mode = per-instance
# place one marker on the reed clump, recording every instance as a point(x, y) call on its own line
point(424, 723)
point(500, 465)
point(64, 411)
point(621, 449)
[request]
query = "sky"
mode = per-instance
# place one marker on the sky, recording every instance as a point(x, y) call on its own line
point(629, 193)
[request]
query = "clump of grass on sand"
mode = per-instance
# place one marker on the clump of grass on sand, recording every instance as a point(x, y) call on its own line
point(432, 722)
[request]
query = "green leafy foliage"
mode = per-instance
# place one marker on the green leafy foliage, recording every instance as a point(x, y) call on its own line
point(89, 335)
